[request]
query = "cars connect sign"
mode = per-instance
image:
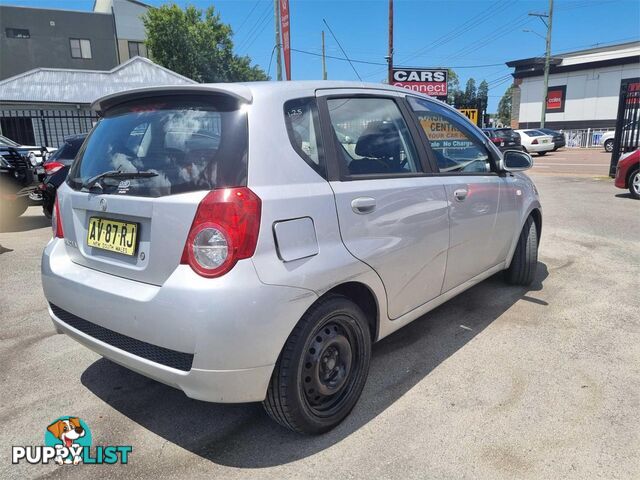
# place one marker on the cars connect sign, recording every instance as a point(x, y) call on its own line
point(432, 82)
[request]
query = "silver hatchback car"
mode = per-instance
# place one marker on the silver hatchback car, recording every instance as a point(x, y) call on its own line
point(249, 242)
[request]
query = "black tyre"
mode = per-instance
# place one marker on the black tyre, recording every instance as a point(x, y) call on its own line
point(542, 154)
point(322, 368)
point(634, 184)
point(608, 145)
point(523, 266)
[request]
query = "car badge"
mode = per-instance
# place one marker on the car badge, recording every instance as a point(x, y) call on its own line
point(103, 204)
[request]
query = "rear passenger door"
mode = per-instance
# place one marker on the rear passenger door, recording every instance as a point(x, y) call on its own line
point(482, 211)
point(392, 214)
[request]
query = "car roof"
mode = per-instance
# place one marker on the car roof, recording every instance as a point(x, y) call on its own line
point(248, 90)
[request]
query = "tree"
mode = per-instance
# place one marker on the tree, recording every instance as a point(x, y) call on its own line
point(483, 96)
point(196, 44)
point(470, 95)
point(453, 87)
point(504, 107)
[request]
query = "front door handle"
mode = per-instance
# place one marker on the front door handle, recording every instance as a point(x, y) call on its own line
point(362, 205)
point(461, 194)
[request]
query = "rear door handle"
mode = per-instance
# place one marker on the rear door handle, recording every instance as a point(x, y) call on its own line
point(461, 194)
point(362, 205)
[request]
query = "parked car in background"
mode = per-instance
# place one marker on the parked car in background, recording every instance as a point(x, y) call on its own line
point(558, 138)
point(504, 138)
point(607, 140)
point(20, 171)
point(628, 173)
point(631, 136)
point(36, 155)
point(224, 240)
point(534, 141)
point(56, 168)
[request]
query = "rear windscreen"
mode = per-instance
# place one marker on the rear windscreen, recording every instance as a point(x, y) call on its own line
point(165, 145)
point(534, 133)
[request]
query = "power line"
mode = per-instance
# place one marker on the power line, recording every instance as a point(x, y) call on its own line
point(264, 15)
point(343, 52)
point(247, 17)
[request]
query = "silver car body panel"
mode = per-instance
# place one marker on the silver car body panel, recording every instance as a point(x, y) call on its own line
point(417, 249)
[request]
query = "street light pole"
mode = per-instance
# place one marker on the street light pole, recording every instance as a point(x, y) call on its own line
point(390, 52)
point(547, 59)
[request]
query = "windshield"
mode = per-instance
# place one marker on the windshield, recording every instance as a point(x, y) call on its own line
point(7, 142)
point(191, 143)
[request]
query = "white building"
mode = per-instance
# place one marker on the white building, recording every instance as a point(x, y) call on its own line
point(128, 26)
point(584, 87)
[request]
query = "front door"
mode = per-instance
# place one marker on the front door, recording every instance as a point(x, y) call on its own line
point(392, 215)
point(482, 209)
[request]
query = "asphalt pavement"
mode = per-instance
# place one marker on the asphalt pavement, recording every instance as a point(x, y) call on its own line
point(500, 382)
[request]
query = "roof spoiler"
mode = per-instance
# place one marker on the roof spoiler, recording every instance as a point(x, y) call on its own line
point(239, 91)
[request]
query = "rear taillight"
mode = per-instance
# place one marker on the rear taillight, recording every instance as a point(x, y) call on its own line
point(52, 167)
point(534, 141)
point(224, 230)
point(496, 140)
point(56, 221)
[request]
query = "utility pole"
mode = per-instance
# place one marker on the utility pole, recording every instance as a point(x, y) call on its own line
point(276, 19)
point(547, 58)
point(390, 53)
point(324, 62)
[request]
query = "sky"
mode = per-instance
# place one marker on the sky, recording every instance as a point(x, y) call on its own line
point(474, 37)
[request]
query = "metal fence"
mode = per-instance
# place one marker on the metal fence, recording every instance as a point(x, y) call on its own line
point(584, 138)
point(46, 128)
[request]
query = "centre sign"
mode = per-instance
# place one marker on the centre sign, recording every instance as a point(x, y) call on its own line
point(430, 81)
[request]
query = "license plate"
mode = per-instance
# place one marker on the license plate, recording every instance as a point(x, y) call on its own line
point(112, 235)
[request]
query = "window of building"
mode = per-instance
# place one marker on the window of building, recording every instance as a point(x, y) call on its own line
point(80, 48)
point(17, 33)
point(136, 49)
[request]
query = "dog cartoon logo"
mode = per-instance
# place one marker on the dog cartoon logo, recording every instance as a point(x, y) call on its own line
point(72, 434)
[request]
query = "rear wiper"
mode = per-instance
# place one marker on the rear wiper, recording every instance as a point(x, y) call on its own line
point(93, 181)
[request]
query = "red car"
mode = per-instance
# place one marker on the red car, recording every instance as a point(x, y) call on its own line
point(628, 173)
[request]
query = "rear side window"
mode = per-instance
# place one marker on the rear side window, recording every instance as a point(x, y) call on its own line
point(301, 117)
point(181, 144)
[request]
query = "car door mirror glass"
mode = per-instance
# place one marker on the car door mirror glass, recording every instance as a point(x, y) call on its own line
point(516, 161)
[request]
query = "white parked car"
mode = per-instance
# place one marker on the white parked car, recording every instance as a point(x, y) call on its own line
point(534, 141)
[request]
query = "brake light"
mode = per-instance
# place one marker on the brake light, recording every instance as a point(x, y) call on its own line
point(56, 221)
point(534, 141)
point(224, 230)
point(52, 167)
point(496, 140)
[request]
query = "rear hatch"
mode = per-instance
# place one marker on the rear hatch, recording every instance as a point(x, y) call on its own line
point(510, 137)
point(132, 193)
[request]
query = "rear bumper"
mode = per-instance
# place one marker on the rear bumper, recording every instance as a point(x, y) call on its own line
point(541, 147)
point(232, 327)
point(621, 177)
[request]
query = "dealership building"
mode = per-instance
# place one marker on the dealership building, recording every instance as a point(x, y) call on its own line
point(584, 87)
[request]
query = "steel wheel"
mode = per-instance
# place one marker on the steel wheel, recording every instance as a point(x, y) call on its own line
point(322, 368)
point(330, 368)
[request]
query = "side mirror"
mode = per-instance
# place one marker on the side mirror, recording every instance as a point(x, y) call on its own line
point(516, 161)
